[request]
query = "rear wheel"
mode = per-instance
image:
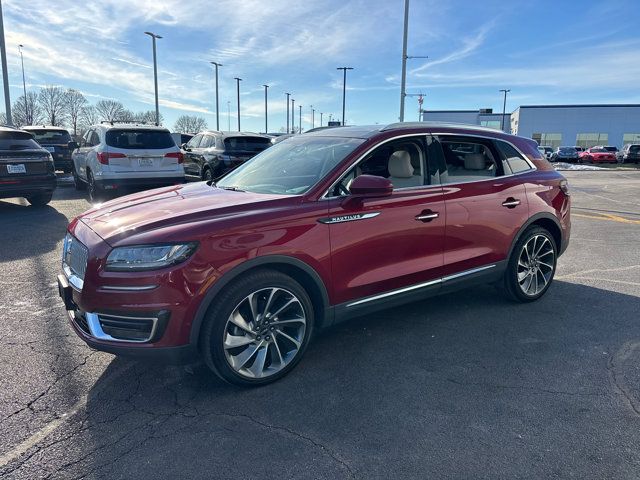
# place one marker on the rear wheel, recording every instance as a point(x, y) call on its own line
point(257, 329)
point(40, 200)
point(207, 175)
point(77, 181)
point(532, 265)
point(96, 194)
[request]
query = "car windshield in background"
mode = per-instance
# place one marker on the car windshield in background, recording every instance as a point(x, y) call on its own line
point(139, 139)
point(599, 150)
point(634, 148)
point(51, 136)
point(567, 150)
point(291, 167)
point(611, 149)
point(246, 144)
point(17, 141)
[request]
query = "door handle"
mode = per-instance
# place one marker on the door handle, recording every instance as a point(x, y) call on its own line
point(511, 202)
point(427, 216)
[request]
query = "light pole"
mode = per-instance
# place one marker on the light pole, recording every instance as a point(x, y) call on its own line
point(288, 95)
point(266, 125)
point(405, 57)
point(238, 80)
point(5, 74)
point(217, 103)
point(228, 115)
point(320, 118)
point(313, 120)
point(344, 87)
point(293, 116)
point(24, 87)
point(154, 37)
point(300, 119)
point(504, 105)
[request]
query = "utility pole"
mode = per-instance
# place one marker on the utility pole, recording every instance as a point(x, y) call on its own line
point(344, 87)
point(266, 125)
point(320, 118)
point(403, 82)
point(5, 74)
point(228, 115)
point(313, 115)
point(217, 103)
point(293, 116)
point(24, 88)
point(154, 37)
point(504, 105)
point(300, 119)
point(238, 80)
point(288, 95)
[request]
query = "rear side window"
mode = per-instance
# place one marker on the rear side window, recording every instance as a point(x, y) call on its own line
point(208, 141)
point(246, 144)
point(515, 161)
point(634, 148)
point(51, 136)
point(17, 141)
point(139, 139)
point(469, 160)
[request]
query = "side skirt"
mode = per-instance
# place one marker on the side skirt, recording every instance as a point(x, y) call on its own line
point(363, 306)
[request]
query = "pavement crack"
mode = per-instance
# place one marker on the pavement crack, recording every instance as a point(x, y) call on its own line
point(536, 390)
point(615, 377)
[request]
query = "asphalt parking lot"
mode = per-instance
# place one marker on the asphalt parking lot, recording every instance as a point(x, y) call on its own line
point(466, 385)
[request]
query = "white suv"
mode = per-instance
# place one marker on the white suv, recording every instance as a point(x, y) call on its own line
point(113, 156)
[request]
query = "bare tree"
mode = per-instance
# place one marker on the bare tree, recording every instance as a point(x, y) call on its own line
point(88, 116)
point(28, 113)
point(52, 102)
point(74, 102)
point(126, 116)
point(3, 118)
point(109, 110)
point(189, 124)
point(148, 116)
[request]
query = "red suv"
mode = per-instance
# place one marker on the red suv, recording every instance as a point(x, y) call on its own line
point(318, 228)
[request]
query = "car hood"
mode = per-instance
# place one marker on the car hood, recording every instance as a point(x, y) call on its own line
point(159, 208)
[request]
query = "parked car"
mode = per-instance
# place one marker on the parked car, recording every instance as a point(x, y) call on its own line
point(548, 151)
point(58, 142)
point(314, 230)
point(211, 154)
point(597, 155)
point(579, 149)
point(542, 151)
point(565, 154)
point(608, 148)
point(629, 153)
point(180, 138)
point(26, 169)
point(116, 156)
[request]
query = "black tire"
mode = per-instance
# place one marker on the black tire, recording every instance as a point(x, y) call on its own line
point(207, 174)
point(511, 283)
point(216, 324)
point(96, 195)
point(77, 181)
point(40, 200)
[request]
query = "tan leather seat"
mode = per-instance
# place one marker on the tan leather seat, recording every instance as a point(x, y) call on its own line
point(401, 171)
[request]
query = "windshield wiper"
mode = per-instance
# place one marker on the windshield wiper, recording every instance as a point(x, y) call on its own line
point(232, 188)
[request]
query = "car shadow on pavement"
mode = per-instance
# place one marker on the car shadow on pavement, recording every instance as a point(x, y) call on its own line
point(465, 383)
point(27, 231)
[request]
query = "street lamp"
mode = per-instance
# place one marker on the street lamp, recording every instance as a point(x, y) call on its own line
point(24, 87)
point(344, 87)
point(405, 57)
point(238, 80)
point(313, 121)
point(5, 74)
point(288, 95)
point(293, 116)
point(217, 103)
point(504, 105)
point(300, 119)
point(155, 72)
point(228, 115)
point(320, 118)
point(266, 127)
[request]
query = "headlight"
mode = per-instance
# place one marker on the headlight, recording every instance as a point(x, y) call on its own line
point(148, 257)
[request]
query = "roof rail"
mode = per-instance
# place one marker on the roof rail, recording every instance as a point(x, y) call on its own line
point(132, 122)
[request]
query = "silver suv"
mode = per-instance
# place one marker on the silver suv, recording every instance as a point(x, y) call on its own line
point(115, 156)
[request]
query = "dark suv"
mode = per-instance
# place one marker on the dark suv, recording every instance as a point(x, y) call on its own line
point(56, 141)
point(629, 153)
point(316, 229)
point(26, 169)
point(211, 154)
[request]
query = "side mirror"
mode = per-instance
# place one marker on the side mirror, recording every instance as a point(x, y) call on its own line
point(73, 145)
point(371, 186)
point(185, 148)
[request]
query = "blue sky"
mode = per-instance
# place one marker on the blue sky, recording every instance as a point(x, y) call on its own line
point(545, 51)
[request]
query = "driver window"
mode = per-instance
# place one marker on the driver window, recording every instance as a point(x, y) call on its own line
point(401, 161)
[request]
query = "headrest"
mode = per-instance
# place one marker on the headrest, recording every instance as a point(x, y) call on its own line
point(474, 161)
point(400, 165)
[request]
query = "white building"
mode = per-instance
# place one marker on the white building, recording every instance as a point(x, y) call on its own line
point(556, 125)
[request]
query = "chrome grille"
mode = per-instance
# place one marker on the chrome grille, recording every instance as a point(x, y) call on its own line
point(74, 257)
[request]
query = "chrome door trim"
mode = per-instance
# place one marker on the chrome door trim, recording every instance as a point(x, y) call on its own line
point(467, 272)
point(123, 288)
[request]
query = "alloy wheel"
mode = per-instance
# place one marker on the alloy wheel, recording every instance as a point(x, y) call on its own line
point(536, 264)
point(264, 333)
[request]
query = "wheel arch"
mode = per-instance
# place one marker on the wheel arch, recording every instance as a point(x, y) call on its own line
point(291, 266)
point(546, 221)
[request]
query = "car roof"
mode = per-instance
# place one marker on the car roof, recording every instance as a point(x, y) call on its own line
point(234, 134)
point(368, 131)
point(129, 126)
point(43, 127)
point(7, 128)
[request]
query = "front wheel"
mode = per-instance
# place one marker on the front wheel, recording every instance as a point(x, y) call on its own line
point(40, 200)
point(257, 329)
point(532, 265)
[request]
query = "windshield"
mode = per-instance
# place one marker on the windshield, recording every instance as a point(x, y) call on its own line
point(139, 139)
point(598, 150)
point(291, 167)
point(634, 148)
point(51, 136)
point(17, 141)
point(246, 144)
point(567, 150)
